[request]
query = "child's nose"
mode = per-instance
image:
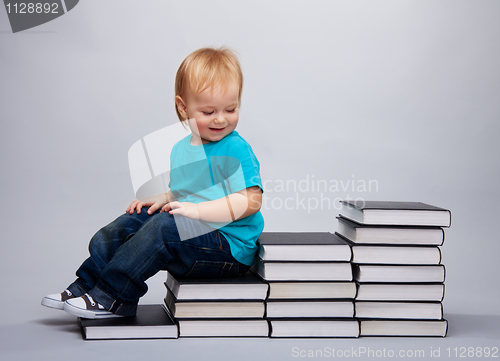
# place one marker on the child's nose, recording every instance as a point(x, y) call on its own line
point(219, 118)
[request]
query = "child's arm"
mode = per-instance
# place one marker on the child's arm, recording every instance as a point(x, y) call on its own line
point(154, 203)
point(227, 209)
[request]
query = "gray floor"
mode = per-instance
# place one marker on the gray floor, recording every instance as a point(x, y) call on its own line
point(57, 337)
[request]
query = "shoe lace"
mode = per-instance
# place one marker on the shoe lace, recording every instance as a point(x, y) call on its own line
point(68, 292)
point(92, 302)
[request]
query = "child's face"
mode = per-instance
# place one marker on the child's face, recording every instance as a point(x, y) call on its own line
point(212, 115)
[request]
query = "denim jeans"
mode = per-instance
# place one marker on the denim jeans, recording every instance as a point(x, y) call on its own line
point(134, 247)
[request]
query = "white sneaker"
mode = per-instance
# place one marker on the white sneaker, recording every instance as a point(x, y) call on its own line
point(86, 307)
point(57, 300)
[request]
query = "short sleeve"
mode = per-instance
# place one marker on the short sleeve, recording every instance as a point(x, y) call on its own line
point(238, 168)
point(249, 175)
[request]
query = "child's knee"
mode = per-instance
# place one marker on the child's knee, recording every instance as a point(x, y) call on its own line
point(164, 221)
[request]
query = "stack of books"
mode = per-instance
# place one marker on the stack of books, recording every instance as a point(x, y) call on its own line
point(397, 266)
point(218, 307)
point(311, 287)
point(380, 274)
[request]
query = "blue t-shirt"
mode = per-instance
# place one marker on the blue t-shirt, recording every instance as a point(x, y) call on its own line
point(212, 171)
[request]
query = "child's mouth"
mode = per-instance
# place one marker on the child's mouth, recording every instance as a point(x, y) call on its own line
point(216, 130)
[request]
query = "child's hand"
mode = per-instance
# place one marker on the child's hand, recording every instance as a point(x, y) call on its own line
point(154, 203)
point(186, 209)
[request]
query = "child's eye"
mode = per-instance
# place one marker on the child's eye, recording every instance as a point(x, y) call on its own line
point(231, 111)
point(208, 113)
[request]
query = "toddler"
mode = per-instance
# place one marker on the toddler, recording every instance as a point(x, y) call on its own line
point(208, 223)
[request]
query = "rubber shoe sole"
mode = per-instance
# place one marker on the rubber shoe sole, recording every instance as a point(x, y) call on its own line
point(50, 302)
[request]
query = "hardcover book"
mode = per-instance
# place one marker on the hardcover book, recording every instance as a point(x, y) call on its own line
point(247, 287)
point(399, 328)
point(400, 292)
point(314, 328)
point(312, 290)
point(214, 309)
point(389, 235)
point(428, 255)
point(399, 310)
point(223, 328)
point(309, 309)
point(396, 213)
point(398, 273)
point(302, 271)
point(306, 246)
point(151, 321)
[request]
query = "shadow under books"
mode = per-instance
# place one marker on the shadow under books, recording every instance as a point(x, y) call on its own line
point(62, 324)
point(460, 325)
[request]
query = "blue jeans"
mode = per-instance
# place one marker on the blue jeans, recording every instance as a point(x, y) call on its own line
point(134, 247)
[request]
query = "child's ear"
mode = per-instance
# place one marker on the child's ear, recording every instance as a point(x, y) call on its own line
point(181, 106)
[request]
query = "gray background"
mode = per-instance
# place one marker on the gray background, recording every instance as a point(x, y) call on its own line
point(405, 93)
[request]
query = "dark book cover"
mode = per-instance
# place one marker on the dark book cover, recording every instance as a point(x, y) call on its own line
point(396, 213)
point(248, 279)
point(151, 321)
point(355, 225)
point(300, 238)
point(303, 246)
point(394, 205)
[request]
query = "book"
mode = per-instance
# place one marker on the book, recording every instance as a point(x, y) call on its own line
point(389, 235)
point(400, 292)
point(223, 328)
point(411, 328)
point(311, 290)
point(399, 310)
point(396, 213)
point(305, 246)
point(213, 309)
point(302, 271)
point(398, 273)
point(314, 328)
point(428, 255)
point(151, 321)
point(309, 309)
point(245, 287)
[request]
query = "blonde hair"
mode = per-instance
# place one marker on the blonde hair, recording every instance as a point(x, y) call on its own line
point(208, 68)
